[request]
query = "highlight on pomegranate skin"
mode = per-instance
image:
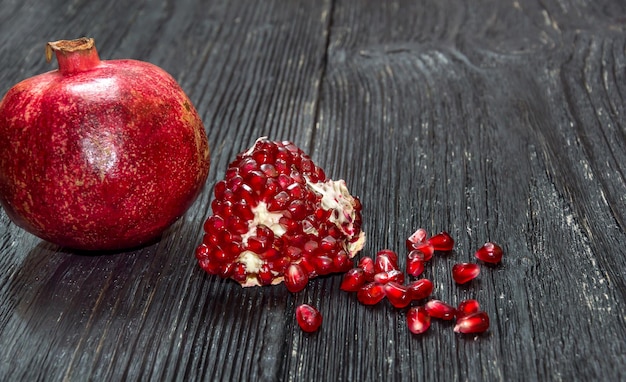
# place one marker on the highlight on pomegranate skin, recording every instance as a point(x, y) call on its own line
point(115, 150)
point(278, 218)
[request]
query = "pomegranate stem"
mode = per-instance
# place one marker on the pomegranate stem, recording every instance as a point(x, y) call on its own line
point(74, 56)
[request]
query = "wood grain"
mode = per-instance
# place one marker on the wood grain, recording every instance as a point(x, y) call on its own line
point(491, 120)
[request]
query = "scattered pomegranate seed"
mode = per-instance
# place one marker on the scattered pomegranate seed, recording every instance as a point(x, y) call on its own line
point(397, 294)
point(474, 323)
point(442, 242)
point(371, 294)
point(420, 289)
point(467, 307)
point(392, 275)
point(308, 318)
point(385, 261)
point(489, 253)
point(415, 254)
point(418, 236)
point(439, 309)
point(367, 265)
point(426, 249)
point(465, 272)
point(295, 278)
point(418, 319)
point(353, 280)
point(375, 279)
point(393, 256)
point(415, 266)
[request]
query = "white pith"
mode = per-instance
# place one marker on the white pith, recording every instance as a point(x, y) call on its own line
point(334, 196)
point(263, 217)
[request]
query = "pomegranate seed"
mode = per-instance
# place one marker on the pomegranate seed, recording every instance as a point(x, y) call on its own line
point(393, 257)
point(418, 320)
point(426, 249)
point(467, 307)
point(265, 275)
point(397, 294)
point(465, 272)
point(474, 323)
point(385, 262)
point(342, 262)
point(415, 254)
point(295, 278)
point(240, 274)
point(353, 280)
point(420, 289)
point(439, 309)
point(370, 294)
point(308, 318)
point(415, 266)
point(418, 236)
point(367, 265)
point(442, 242)
point(392, 275)
point(489, 253)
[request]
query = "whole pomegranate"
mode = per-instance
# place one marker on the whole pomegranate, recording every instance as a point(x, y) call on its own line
point(99, 155)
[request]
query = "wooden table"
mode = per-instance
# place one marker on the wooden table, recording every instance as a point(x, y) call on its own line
point(492, 120)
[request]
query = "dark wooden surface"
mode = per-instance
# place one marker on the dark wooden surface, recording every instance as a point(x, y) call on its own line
point(493, 120)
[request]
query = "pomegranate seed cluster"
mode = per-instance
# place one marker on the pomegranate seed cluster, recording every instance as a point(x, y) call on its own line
point(276, 217)
point(380, 278)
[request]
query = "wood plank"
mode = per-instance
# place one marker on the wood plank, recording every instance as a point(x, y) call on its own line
point(459, 118)
point(251, 70)
point(492, 120)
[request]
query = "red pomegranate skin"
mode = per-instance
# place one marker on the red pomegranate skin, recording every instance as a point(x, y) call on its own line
point(99, 155)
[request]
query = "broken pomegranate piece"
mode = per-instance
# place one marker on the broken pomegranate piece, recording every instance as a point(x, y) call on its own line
point(276, 217)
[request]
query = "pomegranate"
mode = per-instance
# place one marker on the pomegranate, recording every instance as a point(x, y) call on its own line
point(99, 155)
point(276, 217)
